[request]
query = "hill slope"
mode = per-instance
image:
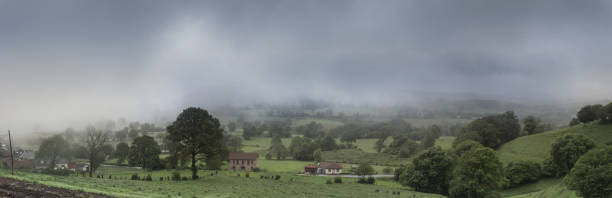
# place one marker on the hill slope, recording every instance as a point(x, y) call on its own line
point(537, 147)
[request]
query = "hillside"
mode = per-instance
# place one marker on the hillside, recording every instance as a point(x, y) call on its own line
point(537, 147)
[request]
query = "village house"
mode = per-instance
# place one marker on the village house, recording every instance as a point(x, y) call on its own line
point(243, 161)
point(327, 168)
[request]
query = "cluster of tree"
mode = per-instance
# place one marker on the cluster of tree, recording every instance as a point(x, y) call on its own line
point(469, 170)
point(590, 113)
point(404, 146)
point(274, 128)
point(311, 130)
point(472, 170)
point(96, 149)
point(491, 131)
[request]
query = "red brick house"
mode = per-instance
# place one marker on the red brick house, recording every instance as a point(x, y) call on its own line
point(243, 161)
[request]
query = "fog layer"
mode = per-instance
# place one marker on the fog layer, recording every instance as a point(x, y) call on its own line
point(65, 62)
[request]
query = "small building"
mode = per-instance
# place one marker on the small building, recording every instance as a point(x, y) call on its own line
point(18, 163)
point(310, 169)
point(329, 168)
point(243, 161)
point(81, 167)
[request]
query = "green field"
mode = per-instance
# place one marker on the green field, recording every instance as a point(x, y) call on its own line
point(551, 187)
point(537, 147)
point(225, 184)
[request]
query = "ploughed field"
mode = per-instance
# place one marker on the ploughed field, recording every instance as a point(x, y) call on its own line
point(16, 188)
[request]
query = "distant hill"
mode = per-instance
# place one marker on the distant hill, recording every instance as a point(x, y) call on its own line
point(537, 147)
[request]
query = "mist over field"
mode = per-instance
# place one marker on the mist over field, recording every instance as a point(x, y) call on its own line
point(70, 63)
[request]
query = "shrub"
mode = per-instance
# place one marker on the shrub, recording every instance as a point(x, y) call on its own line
point(176, 176)
point(277, 177)
point(247, 175)
point(256, 169)
point(149, 178)
point(371, 180)
point(329, 181)
point(387, 170)
point(135, 177)
point(522, 172)
point(185, 178)
point(338, 180)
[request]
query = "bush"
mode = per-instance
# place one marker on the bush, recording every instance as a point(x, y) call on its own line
point(176, 176)
point(185, 178)
point(277, 177)
point(522, 172)
point(329, 181)
point(256, 169)
point(338, 180)
point(371, 180)
point(247, 175)
point(149, 178)
point(387, 170)
point(60, 172)
point(135, 177)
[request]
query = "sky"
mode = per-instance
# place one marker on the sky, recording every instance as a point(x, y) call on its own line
point(66, 62)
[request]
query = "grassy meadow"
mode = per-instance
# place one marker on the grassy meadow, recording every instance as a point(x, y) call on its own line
point(224, 184)
point(537, 147)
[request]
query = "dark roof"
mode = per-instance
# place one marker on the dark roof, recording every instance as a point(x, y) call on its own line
point(310, 166)
point(330, 165)
point(248, 156)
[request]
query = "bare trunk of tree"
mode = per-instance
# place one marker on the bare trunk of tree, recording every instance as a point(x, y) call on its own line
point(194, 169)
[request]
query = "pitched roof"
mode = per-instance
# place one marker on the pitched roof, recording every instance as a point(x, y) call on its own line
point(330, 165)
point(249, 156)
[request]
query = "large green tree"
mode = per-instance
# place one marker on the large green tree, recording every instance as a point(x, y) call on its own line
point(531, 125)
point(491, 131)
point(144, 152)
point(477, 174)
point(277, 149)
point(52, 148)
point(328, 143)
point(588, 113)
point(567, 149)
point(234, 143)
point(606, 114)
point(302, 148)
point(122, 152)
point(198, 135)
point(592, 174)
point(430, 172)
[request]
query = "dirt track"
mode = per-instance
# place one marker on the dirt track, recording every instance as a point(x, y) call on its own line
point(16, 188)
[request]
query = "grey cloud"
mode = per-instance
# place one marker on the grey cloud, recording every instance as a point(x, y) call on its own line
point(73, 61)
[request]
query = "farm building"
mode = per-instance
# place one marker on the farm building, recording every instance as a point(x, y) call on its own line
point(18, 163)
point(243, 161)
point(327, 168)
